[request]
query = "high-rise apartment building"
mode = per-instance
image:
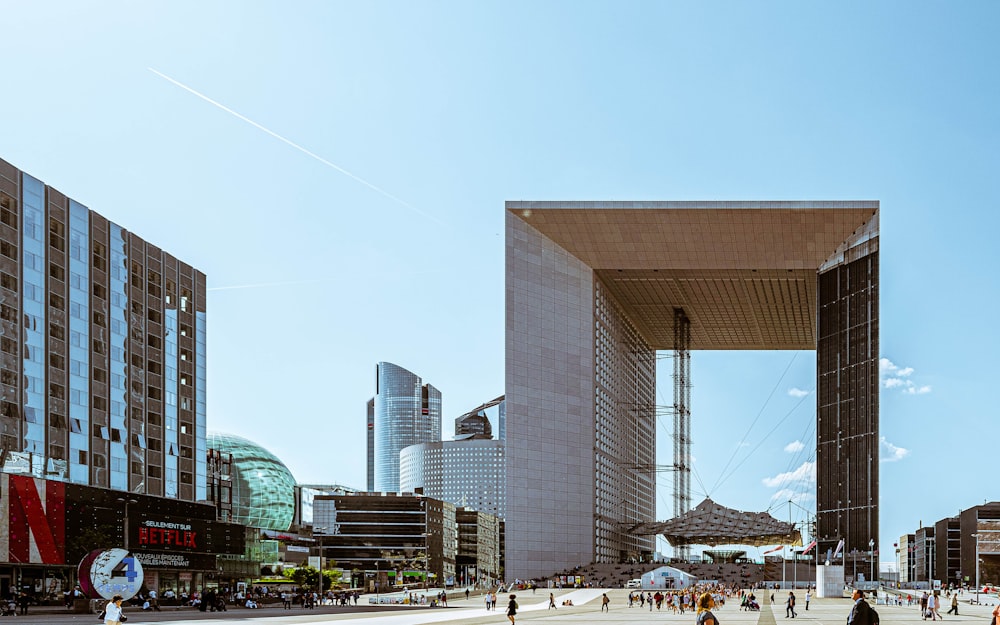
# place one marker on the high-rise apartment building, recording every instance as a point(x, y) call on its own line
point(102, 350)
point(406, 412)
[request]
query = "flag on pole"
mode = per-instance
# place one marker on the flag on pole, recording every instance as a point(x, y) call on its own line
point(779, 548)
point(808, 547)
point(840, 546)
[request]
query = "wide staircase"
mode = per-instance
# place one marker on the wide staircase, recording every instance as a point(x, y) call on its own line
point(617, 575)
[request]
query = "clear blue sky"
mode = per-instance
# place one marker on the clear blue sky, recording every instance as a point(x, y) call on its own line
point(444, 110)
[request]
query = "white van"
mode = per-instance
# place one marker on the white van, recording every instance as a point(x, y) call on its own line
point(634, 583)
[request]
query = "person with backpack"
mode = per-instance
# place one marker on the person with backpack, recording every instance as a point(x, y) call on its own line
point(511, 608)
point(861, 612)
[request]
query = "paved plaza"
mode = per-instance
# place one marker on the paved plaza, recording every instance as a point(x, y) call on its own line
point(534, 608)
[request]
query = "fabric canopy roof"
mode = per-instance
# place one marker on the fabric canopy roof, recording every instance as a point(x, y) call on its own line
point(709, 523)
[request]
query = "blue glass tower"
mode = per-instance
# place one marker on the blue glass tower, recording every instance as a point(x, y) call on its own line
point(407, 412)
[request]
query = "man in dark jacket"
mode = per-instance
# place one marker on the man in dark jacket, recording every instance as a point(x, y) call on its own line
point(861, 613)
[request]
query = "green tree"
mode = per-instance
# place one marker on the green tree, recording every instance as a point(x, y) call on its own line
point(308, 577)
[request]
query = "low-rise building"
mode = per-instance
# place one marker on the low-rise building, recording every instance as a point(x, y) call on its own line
point(478, 559)
point(388, 539)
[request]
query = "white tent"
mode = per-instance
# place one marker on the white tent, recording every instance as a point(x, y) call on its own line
point(667, 577)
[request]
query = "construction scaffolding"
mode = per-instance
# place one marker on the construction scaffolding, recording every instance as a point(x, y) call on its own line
point(682, 419)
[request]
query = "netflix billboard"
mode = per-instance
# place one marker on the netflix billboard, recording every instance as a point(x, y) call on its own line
point(55, 523)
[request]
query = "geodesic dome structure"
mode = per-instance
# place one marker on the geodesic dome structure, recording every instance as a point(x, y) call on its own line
point(263, 487)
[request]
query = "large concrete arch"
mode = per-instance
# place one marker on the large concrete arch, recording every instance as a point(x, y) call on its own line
point(591, 290)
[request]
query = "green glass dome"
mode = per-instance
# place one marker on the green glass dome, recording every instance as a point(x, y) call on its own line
point(263, 487)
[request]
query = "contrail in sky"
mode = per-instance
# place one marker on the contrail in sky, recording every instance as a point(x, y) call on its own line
point(295, 145)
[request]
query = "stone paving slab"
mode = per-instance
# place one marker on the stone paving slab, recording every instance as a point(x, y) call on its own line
point(586, 611)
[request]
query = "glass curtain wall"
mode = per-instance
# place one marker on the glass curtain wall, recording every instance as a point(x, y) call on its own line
point(170, 407)
point(33, 305)
point(200, 459)
point(118, 282)
point(79, 349)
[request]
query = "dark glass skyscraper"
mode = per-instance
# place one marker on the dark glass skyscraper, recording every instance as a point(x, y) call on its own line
point(477, 423)
point(103, 350)
point(370, 431)
point(407, 412)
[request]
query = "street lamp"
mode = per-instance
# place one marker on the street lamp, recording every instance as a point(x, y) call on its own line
point(871, 558)
point(319, 560)
point(125, 518)
point(976, 536)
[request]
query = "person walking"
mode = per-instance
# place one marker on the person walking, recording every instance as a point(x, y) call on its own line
point(790, 605)
point(604, 603)
point(705, 605)
point(113, 611)
point(932, 603)
point(954, 604)
point(861, 612)
point(808, 597)
point(937, 605)
point(511, 609)
point(552, 602)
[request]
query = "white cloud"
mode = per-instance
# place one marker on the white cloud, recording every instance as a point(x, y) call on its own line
point(799, 497)
point(891, 453)
point(794, 446)
point(805, 474)
point(797, 392)
point(894, 376)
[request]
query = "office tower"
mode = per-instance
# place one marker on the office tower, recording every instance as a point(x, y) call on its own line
point(595, 289)
point(407, 412)
point(477, 423)
point(370, 435)
point(468, 473)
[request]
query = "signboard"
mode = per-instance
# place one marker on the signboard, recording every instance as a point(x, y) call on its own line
point(167, 534)
point(109, 572)
point(157, 560)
